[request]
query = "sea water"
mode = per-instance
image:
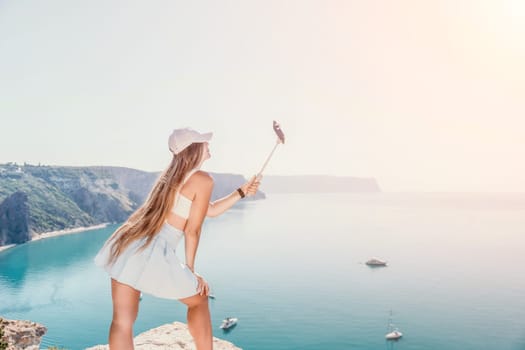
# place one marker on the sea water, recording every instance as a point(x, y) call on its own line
point(291, 268)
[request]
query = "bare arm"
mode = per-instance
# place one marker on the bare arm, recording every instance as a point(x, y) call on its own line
point(219, 206)
point(199, 207)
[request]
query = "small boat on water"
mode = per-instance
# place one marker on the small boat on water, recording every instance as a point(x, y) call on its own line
point(376, 262)
point(211, 296)
point(229, 322)
point(393, 332)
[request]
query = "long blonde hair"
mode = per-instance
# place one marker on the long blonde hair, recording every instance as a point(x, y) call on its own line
point(147, 220)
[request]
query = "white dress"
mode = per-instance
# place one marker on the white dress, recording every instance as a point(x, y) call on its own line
point(155, 270)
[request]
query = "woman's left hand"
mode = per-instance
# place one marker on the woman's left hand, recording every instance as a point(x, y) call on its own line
point(251, 187)
point(203, 288)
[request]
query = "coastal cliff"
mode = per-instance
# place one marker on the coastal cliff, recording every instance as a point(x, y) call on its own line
point(38, 199)
point(174, 336)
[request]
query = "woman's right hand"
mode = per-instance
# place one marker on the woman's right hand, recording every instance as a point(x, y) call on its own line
point(250, 188)
point(202, 287)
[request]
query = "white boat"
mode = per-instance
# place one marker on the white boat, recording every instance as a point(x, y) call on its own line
point(393, 332)
point(229, 322)
point(375, 262)
point(211, 296)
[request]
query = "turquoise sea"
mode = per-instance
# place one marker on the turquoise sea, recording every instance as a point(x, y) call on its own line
point(291, 269)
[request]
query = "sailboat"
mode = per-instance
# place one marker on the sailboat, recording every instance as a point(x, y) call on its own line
point(393, 332)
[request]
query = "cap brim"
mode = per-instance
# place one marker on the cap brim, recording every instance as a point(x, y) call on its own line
point(204, 137)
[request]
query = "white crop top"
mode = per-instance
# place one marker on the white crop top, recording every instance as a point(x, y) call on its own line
point(182, 204)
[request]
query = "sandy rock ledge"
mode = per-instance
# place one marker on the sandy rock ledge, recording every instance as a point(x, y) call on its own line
point(22, 335)
point(173, 336)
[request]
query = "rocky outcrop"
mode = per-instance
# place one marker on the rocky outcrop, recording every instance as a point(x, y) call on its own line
point(14, 219)
point(173, 336)
point(22, 335)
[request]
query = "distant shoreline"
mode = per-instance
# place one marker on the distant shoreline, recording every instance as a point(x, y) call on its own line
point(58, 233)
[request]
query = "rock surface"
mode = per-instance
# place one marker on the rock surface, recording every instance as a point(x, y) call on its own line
point(173, 336)
point(14, 217)
point(20, 335)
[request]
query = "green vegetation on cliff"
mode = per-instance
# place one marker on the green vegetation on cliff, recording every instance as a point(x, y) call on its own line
point(58, 198)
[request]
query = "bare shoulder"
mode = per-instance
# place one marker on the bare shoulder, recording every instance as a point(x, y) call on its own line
point(201, 178)
point(198, 184)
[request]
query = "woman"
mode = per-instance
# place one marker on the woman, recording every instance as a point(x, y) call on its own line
point(140, 255)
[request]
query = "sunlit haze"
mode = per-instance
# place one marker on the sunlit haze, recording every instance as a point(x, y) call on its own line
point(421, 95)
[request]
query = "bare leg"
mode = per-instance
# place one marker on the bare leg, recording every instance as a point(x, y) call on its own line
point(125, 310)
point(199, 321)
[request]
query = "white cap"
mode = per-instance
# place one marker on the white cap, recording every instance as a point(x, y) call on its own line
point(182, 138)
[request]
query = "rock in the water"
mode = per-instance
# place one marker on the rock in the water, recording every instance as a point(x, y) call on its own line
point(173, 336)
point(24, 335)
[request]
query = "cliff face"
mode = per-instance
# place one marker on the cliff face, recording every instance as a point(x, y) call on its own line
point(14, 219)
point(94, 190)
point(138, 183)
point(174, 336)
point(57, 198)
point(20, 335)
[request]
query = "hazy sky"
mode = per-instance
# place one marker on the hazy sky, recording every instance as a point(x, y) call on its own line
point(422, 95)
